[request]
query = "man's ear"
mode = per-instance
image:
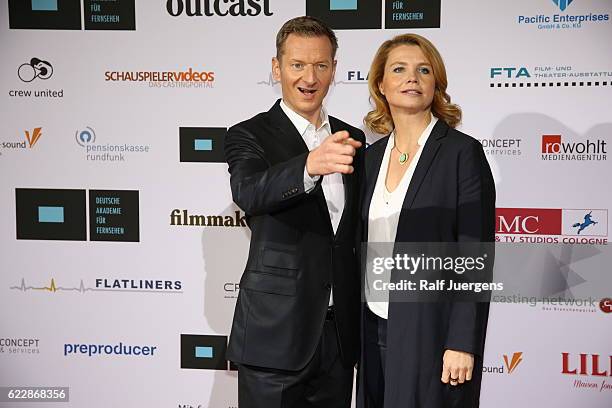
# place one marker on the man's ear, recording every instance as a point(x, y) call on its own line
point(334, 64)
point(276, 69)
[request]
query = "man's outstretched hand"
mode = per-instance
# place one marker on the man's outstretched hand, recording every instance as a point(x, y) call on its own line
point(334, 155)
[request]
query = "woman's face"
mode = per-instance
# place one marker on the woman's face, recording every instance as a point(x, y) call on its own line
point(408, 82)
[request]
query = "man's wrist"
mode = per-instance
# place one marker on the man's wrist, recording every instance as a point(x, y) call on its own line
point(309, 181)
point(309, 168)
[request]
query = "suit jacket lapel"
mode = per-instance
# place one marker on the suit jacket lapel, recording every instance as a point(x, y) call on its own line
point(289, 136)
point(427, 157)
point(347, 181)
point(294, 142)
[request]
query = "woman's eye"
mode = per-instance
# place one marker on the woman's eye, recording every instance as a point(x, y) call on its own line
point(424, 70)
point(398, 69)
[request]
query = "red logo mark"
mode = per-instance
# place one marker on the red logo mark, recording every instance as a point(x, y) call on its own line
point(606, 305)
point(551, 143)
point(531, 221)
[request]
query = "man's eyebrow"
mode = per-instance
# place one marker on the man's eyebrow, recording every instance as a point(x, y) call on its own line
point(316, 62)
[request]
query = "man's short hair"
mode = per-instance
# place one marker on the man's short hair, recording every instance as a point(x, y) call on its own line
point(305, 26)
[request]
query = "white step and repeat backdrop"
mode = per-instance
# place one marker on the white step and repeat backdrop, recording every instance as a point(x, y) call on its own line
point(121, 248)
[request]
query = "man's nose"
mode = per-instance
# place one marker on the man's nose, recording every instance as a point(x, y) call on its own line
point(310, 75)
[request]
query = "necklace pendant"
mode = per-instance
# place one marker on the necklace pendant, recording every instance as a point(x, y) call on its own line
point(403, 158)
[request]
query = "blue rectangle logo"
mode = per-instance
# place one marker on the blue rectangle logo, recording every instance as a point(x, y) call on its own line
point(343, 4)
point(203, 352)
point(51, 214)
point(203, 144)
point(44, 5)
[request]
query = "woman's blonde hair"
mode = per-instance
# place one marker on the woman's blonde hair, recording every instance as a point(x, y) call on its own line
point(379, 120)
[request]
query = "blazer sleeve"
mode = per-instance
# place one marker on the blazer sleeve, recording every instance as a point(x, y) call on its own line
point(475, 223)
point(258, 187)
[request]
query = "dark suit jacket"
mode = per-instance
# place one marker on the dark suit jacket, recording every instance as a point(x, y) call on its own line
point(294, 257)
point(451, 198)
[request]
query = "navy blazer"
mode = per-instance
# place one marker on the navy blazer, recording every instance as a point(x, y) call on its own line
point(451, 198)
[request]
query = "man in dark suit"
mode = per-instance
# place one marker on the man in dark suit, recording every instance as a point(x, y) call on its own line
point(295, 171)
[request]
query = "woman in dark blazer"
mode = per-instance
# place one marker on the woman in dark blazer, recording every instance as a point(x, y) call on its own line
point(425, 182)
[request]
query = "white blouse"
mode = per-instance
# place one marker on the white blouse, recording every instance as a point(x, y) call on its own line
point(383, 217)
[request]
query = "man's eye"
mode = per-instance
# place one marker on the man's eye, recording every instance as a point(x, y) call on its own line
point(322, 67)
point(424, 70)
point(297, 66)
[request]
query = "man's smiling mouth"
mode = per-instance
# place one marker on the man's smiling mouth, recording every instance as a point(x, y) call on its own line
point(306, 91)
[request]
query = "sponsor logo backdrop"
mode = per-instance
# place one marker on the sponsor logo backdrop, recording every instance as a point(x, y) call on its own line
point(121, 249)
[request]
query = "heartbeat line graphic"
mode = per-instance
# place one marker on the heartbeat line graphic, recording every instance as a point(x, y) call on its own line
point(272, 82)
point(53, 288)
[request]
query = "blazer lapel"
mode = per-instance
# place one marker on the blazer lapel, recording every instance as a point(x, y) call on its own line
point(427, 157)
point(373, 161)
